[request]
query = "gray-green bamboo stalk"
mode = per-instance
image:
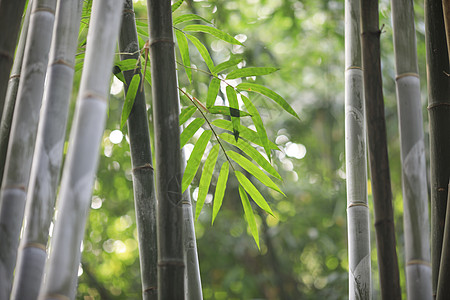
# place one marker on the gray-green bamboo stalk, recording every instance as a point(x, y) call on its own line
point(378, 156)
point(23, 137)
point(82, 158)
point(141, 159)
point(446, 10)
point(443, 288)
point(414, 173)
point(10, 19)
point(48, 152)
point(168, 156)
point(438, 83)
point(11, 92)
point(360, 281)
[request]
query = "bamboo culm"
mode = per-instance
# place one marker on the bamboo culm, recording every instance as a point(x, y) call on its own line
point(141, 158)
point(82, 157)
point(23, 137)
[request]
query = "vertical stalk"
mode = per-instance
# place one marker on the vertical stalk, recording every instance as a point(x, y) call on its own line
point(438, 83)
point(378, 156)
point(168, 156)
point(360, 285)
point(446, 10)
point(48, 152)
point(443, 288)
point(141, 159)
point(82, 157)
point(23, 136)
point(416, 223)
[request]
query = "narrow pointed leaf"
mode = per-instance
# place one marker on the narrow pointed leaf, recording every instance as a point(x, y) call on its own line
point(248, 72)
point(227, 111)
point(251, 152)
point(254, 170)
point(186, 114)
point(190, 130)
point(194, 159)
point(220, 189)
point(253, 87)
point(227, 64)
point(176, 5)
point(213, 90)
point(184, 51)
point(126, 64)
point(213, 31)
point(203, 51)
point(260, 129)
point(234, 110)
point(188, 17)
point(205, 180)
point(253, 192)
point(249, 216)
point(129, 99)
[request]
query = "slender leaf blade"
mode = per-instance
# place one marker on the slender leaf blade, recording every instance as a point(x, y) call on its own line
point(253, 71)
point(234, 110)
point(195, 158)
point(227, 64)
point(186, 114)
point(205, 180)
point(176, 5)
point(129, 99)
point(220, 189)
point(249, 216)
point(187, 18)
point(227, 111)
point(213, 90)
point(127, 64)
point(190, 130)
point(203, 52)
point(184, 51)
point(253, 192)
point(213, 31)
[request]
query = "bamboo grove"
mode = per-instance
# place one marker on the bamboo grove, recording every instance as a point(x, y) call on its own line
point(47, 178)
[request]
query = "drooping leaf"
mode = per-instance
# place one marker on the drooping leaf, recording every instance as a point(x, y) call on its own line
point(220, 189)
point(249, 216)
point(205, 180)
point(126, 64)
point(129, 99)
point(213, 31)
point(227, 64)
point(186, 114)
point(253, 87)
point(213, 90)
point(203, 51)
point(228, 111)
point(260, 129)
point(195, 158)
point(253, 192)
point(234, 110)
point(184, 51)
point(190, 130)
point(244, 132)
point(251, 152)
point(176, 5)
point(188, 17)
point(248, 72)
point(254, 170)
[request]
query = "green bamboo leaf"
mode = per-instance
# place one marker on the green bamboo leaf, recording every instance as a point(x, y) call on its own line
point(253, 192)
point(186, 114)
point(248, 72)
point(205, 180)
point(227, 64)
point(253, 87)
point(190, 130)
point(126, 64)
point(184, 51)
point(176, 5)
point(213, 90)
point(244, 132)
point(188, 17)
point(195, 158)
point(227, 111)
point(249, 216)
point(260, 129)
point(141, 24)
point(251, 152)
point(203, 51)
point(142, 31)
point(213, 31)
point(234, 110)
point(254, 170)
point(220, 189)
point(129, 99)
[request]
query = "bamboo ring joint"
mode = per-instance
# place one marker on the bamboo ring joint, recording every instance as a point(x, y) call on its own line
point(36, 245)
point(412, 74)
point(418, 262)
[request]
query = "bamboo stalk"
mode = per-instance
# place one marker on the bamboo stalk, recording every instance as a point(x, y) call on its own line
point(23, 136)
point(438, 83)
point(416, 223)
point(360, 285)
point(168, 156)
point(378, 156)
point(141, 158)
point(82, 158)
point(443, 288)
point(446, 11)
point(10, 19)
point(48, 152)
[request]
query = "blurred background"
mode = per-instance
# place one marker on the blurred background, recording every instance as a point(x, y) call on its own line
point(304, 248)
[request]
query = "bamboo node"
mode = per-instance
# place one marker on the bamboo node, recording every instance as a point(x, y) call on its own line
point(15, 187)
point(441, 189)
point(14, 76)
point(145, 166)
point(93, 94)
point(63, 62)
point(434, 105)
point(47, 9)
point(357, 204)
point(413, 74)
point(35, 245)
point(418, 262)
point(128, 11)
point(163, 40)
point(150, 289)
point(353, 68)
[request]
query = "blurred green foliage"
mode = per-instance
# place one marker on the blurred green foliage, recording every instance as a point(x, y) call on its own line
point(304, 247)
